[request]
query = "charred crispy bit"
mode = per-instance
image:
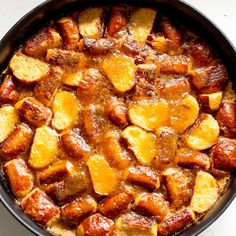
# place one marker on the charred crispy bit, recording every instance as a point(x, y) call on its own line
point(96, 224)
point(47, 38)
point(18, 142)
point(67, 190)
point(28, 69)
point(8, 92)
point(57, 172)
point(152, 204)
point(150, 115)
point(46, 89)
point(159, 43)
point(210, 102)
point(117, 111)
point(34, 111)
point(44, 149)
point(176, 222)
point(184, 113)
point(98, 47)
point(118, 20)
point(179, 185)
point(90, 122)
point(201, 53)
point(223, 154)
point(133, 224)
point(189, 158)
point(40, 207)
point(147, 71)
point(146, 76)
point(204, 133)
point(175, 89)
point(19, 176)
point(120, 70)
point(171, 32)
point(226, 117)
point(132, 47)
point(115, 204)
point(100, 173)
point(66, 109)
point(166, 145)
point(141, 23)
point(74, 212)
point(70, 33)
point(60, 57)
point(8, 119)
point(173, 64)
point(75, 145)
point(91, 22)
point(209, 79)
point(144, 176)
point(141, 142)
point(205, 192)
point(113, 150)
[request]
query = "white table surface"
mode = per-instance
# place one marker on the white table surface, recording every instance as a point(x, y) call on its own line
point(222, 12)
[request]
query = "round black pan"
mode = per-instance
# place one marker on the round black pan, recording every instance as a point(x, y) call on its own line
point(50, 9)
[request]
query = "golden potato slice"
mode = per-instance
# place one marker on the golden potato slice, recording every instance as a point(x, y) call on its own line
point(44, 148)
point(210, 102)
point(204, 133)
point(104, 178)
point(90, 22)
point(141, 23)
point(141, 142)
point(8, 120)
point(73, 79)
point(120, 70)
point(65, 109)
point(149, 115)
point(184, 113)
point(205, 192)
point(28, 69)
point(132, 224)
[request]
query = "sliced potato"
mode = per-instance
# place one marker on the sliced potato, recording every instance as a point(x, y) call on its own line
point(8, 120)
point(28, 69)
point(210, 102)
point(141, 23)
point(65, 108)
point(90, 22)
point(141, 142)
point(204, 133)
point(104, 178)
point(132, 224)
point(44, 149)
point(149, 115)
point(205, 192)
point(120, 70)
point(184, 113)
point(73, 79)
